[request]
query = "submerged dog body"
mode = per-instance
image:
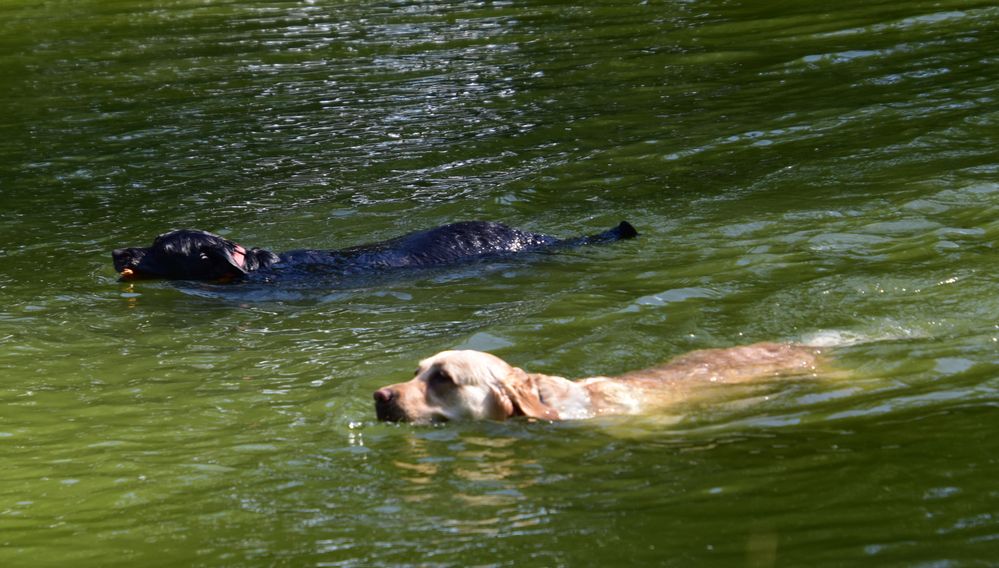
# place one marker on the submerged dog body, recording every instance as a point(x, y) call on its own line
point(189, 254)
point(472, 385)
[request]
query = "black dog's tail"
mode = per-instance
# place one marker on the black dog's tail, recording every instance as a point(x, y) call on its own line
point(623, 230)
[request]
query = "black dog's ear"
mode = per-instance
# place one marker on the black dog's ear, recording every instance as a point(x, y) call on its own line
point(228, 261)
point(234, 258)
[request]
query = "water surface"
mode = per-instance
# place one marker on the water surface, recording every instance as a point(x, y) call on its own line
point(799, 171)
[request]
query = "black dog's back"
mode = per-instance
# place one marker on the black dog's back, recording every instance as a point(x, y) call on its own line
point(443, 245)
point(435, 247)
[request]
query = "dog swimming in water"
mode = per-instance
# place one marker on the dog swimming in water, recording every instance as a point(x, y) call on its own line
point(473, 385)
point(189, 254)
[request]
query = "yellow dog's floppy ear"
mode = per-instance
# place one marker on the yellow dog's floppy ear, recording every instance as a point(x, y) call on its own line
point(526, 401)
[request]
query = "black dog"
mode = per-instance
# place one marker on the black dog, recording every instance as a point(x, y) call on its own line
point(188, 254)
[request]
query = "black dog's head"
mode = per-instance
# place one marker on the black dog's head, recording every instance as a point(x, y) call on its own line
point(187, 254)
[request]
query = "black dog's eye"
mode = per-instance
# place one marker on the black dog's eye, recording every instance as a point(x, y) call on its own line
point(203, 256)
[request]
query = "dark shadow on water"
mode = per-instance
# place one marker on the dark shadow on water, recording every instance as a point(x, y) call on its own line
point(311, 287)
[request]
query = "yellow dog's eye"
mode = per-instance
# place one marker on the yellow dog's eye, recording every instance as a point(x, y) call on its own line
point(440, 379)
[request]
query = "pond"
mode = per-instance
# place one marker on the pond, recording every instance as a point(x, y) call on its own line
point(803, 171)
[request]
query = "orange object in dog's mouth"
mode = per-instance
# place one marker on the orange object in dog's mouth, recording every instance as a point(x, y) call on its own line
point(127, 274)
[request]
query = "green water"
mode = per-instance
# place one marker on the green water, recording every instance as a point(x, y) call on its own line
point(799, 171)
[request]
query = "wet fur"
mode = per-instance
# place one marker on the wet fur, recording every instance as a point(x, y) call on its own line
point(189, 254)
point(472, 385)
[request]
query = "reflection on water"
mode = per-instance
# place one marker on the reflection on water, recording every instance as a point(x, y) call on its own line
point(808, 173)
